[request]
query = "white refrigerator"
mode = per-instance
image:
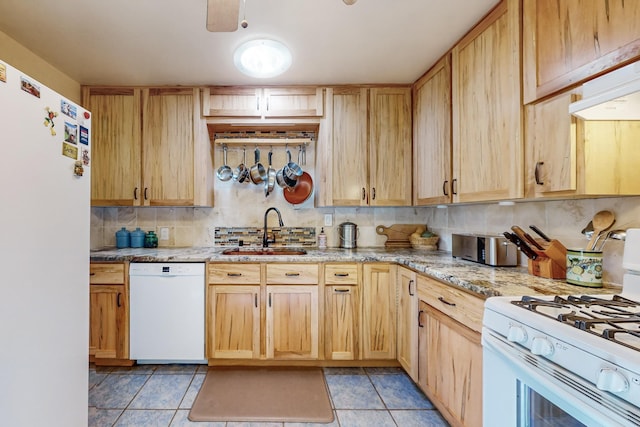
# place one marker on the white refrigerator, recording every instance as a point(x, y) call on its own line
point(45, 167)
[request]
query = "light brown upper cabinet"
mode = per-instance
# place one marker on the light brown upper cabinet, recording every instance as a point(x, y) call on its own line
point(116, 145)
point(151, 147)
point(568, 157)
point(487, 109)
point(568, 41)
point(432, 135)
point(248, 102)
point(365, 159)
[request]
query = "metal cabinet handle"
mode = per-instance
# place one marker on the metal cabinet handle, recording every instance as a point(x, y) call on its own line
point(145, 193)
point(92, 274)
point(342, 291)
point(255, 298)
point(135, 193)
point(444, 187)
point(292, 274)
point(364, 194)
point(454, 185)
point(234, 274)
point(118, 303)
point(536, 173)
point(341, 274)
point(420, 325)
point(444, 301)
point(409, 286)
point(269, 300)
point(373, 193)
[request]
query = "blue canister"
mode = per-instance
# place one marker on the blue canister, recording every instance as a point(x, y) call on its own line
point(137, 238)
point(123, 238)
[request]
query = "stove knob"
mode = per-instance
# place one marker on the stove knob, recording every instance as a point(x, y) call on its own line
point(612, 380)
point(517, 334)
point(541, 346)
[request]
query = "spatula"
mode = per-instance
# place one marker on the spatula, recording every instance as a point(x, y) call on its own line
point(601, 221)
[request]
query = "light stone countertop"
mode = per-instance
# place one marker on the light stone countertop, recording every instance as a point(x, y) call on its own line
point(484, 280)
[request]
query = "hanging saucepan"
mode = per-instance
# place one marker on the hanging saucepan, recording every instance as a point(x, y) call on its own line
point(241, 173)
point(257, 173)
point(224, 172)
point(291, 170)
point(270, 182)
point(301, 191)
point(283, 181)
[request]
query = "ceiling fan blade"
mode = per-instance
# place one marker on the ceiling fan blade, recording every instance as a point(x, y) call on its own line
point(222, 15)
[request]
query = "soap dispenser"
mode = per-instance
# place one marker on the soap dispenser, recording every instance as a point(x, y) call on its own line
point(322, 239)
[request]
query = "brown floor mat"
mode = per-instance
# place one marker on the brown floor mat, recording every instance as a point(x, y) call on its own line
point(271, 394)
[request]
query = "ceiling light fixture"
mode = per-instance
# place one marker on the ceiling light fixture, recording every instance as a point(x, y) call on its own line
point(349, 2)
point(262, 58)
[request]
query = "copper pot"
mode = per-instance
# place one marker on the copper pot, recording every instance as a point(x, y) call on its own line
point(301, 191)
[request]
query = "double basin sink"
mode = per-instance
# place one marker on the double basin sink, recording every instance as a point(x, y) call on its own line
point(263, 251)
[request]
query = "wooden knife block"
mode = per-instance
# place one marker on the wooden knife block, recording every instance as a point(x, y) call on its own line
point(551, 262)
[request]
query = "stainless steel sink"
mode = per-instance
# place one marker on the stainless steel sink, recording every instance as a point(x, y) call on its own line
point(264, 251)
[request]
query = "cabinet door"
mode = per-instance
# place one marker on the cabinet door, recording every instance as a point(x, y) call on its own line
point(234, 322)
point(390, 147)
point(293, 102)
point(292, 322)
point(487, 109)
point(231, 101)
point(168, 146)
point(348, 154)
point(116, 145)
point(551, 147)
point(341, 322)
point(568, 41)
point(108, 328)
point(453, 358)
point(407, 341)
point(379, 311)
point(432, 136)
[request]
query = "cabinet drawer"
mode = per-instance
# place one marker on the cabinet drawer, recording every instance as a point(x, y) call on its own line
point(296, 274)
point(106, 274)
point(240, 274)
point(341, 274)
point(455, 303)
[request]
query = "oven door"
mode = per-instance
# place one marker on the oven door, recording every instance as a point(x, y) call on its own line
point(524, 390)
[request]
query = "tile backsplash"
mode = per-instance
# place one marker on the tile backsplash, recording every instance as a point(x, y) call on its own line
point(562, 219)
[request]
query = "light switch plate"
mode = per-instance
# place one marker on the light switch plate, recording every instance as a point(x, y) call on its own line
point(328, 220)
point(164, 233)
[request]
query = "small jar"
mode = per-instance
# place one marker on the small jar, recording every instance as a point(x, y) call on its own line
point(151, 240)
point(137, 238)
point(123, 238)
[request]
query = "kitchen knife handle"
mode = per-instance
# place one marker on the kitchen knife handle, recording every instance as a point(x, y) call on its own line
point(513, 238)
point(536, 173)
point(540, 233)
point(522, 235)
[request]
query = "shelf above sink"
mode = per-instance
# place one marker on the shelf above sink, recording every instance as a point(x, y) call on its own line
point(263, 251)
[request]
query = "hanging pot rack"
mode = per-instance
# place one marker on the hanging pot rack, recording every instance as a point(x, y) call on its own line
point(271, 142)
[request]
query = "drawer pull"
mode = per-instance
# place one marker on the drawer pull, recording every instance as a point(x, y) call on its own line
point(444, 301)
point(420, 325)
point(292, 274)
point(342, 291)
point(92, 274)
point(410, 282)
point(234, 274)
point(341, 274)
point(118, 303)
point(255, 298)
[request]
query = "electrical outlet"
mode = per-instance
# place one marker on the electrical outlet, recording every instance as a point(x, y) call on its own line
point(164, 233)
point(328, 220)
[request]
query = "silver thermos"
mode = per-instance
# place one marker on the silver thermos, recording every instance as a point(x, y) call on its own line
point(348, 233)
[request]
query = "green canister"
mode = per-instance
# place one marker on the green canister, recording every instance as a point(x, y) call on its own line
point(151, 240)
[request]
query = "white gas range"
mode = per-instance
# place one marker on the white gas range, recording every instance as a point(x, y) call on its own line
point(565, 360)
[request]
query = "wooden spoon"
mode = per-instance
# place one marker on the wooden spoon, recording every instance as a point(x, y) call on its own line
point(601, 221)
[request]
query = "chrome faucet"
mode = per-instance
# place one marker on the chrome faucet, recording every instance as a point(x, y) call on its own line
point(265, 237)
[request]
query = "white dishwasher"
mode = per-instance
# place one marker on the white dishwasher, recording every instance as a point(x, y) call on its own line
point(166, 320)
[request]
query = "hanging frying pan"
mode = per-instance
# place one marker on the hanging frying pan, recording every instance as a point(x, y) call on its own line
point(301, 191)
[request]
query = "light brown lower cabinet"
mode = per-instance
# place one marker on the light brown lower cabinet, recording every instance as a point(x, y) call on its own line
point(342, 311)
point(407, 338)
point(292, 322)
point(450, 352)
point(235, 322)
point(108, 314)
point(379, 311)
